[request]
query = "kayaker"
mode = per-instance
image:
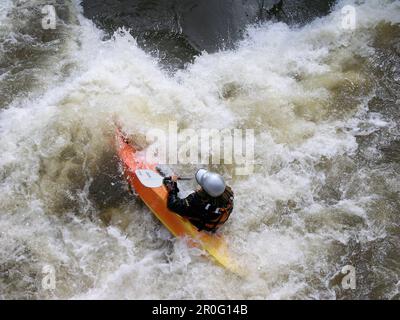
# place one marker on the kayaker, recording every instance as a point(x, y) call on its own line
point(209, 207)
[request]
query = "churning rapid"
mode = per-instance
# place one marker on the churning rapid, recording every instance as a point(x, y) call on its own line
point(323, 101)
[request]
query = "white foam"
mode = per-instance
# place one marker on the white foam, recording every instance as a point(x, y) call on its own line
point(115, 77)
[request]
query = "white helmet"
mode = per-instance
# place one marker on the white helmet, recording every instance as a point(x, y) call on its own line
point(211, 182)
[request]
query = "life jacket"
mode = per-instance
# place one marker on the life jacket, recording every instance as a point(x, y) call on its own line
point(220, 207)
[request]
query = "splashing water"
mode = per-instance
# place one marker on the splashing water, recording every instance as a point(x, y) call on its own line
point(324, 104)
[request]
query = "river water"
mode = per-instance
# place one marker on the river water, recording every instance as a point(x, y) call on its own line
point(323, 101)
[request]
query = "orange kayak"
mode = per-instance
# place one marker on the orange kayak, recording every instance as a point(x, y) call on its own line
point(147, 183)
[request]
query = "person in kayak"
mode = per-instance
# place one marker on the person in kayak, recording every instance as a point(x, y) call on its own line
point(209, 207)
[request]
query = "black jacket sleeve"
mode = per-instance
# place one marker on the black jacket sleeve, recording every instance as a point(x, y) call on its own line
point(183, 207)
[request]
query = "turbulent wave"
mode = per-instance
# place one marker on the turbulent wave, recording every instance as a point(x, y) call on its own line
point(324, 104)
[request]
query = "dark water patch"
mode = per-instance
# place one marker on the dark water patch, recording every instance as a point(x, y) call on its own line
point(386, 62)
point(171, 48)
point(293, 12)
point(82, 179)
point(338, 173)
point(18, 274)
point(108, 188)
point(385, 65)
point(26, 46)
point(371, 172)
point(376, 266)
point(383, 70)
point(391, 152)
point(178, 30)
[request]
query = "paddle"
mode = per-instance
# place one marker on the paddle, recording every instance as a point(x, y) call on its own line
point(163, 174)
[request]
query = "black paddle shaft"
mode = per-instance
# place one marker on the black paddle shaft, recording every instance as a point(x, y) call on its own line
point(168, 178)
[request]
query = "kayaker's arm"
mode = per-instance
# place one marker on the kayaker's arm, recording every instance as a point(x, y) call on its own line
point(180, 206)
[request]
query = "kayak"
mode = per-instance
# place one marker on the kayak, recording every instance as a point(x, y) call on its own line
point(144, 178)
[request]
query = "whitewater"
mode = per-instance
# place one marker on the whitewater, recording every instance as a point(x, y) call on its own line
point(323, 102)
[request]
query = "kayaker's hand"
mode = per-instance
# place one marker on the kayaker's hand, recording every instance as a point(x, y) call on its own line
point(174, 178)
point(169, 184)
